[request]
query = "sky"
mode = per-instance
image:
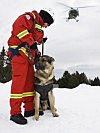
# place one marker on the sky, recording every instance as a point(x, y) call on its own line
point(78, 108)
point(72, 44)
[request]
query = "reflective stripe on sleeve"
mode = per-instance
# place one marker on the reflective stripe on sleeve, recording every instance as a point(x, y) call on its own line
point(38, 27)
point(22, 34)
point(24, 50)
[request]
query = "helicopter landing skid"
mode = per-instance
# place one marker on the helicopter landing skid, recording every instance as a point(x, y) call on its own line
point(76, 20)
point(67, 19)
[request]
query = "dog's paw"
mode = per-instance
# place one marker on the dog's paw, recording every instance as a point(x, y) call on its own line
point(55, 109)
point(55, 115)
point(36, 117)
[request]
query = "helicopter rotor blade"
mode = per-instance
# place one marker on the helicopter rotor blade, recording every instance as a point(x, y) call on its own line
point(73, 7)
point(84, 6)
point(66, 11)
point(64, 5)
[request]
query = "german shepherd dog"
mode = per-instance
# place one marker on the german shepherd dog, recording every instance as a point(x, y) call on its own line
point(44, 85)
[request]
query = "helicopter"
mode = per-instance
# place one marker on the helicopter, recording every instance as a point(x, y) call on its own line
point(73, 12)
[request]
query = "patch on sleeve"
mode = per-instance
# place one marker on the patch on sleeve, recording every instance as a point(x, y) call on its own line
point(28, 17)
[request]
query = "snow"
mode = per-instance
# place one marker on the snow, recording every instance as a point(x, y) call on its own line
point(79, 111)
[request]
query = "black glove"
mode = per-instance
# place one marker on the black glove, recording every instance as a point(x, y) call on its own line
point(45, 39)
point(34, 46)
point(39, 54)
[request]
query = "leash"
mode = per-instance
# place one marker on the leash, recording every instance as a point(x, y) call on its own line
point(43, 41)
point(42, 48)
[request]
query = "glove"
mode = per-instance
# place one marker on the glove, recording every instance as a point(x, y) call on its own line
point(44, 39)
point(34, 46)
point(38, 54)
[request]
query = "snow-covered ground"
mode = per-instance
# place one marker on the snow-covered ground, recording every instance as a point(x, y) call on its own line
point(79, 111)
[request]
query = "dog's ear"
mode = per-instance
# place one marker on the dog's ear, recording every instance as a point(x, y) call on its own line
point(52, 59)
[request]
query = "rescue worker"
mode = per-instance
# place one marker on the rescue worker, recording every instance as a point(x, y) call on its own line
point(26, 34)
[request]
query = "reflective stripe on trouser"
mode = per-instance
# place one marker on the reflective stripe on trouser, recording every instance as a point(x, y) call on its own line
point(17, 96)
point(22, 85)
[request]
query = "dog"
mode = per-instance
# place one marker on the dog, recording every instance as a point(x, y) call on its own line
point(44, 85)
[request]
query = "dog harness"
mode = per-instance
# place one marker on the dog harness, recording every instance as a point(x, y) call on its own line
point(43, 90)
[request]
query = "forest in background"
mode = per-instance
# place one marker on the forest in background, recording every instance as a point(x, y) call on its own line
point(67, 80)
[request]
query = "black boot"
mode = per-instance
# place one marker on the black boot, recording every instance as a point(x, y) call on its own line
point(29, 113)
point(41, 112)
point(32, 113)
point(19, 119)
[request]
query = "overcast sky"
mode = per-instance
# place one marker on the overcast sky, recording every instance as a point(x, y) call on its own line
point(70, 43)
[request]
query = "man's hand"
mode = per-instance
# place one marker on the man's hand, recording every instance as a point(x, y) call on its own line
point(38, 54)
point(34, 46)
point(44, 39)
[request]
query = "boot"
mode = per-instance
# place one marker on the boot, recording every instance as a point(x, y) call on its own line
point(29, 113)
point(32, 113)
point(19, 119)
point(41, 112)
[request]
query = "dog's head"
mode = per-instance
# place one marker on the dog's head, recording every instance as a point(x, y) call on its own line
point(44, 62)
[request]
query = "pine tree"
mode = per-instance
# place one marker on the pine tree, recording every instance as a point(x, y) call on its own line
point(54, 80)
point(96, 82)
point(73, 81)
point(65, 79)
point(5, 67)
point(83, 78)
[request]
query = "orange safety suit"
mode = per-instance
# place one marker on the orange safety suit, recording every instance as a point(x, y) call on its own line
point(26, 28)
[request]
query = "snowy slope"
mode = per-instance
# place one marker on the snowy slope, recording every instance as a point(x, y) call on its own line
point(79, 111)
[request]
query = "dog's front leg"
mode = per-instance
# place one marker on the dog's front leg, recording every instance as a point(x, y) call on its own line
point(37, 103)
point(52, 103)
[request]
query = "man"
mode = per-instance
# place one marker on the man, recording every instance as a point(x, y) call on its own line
point(26, 34)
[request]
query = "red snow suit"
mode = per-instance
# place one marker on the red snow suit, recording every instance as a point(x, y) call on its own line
point(26, 28)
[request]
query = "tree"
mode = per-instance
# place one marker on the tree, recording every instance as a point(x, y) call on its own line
point(54, 80)
point(83, 78)
point(65, 80)
point(95, 82)
point(68, 80)
point(73, 81)
point(5, 67)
